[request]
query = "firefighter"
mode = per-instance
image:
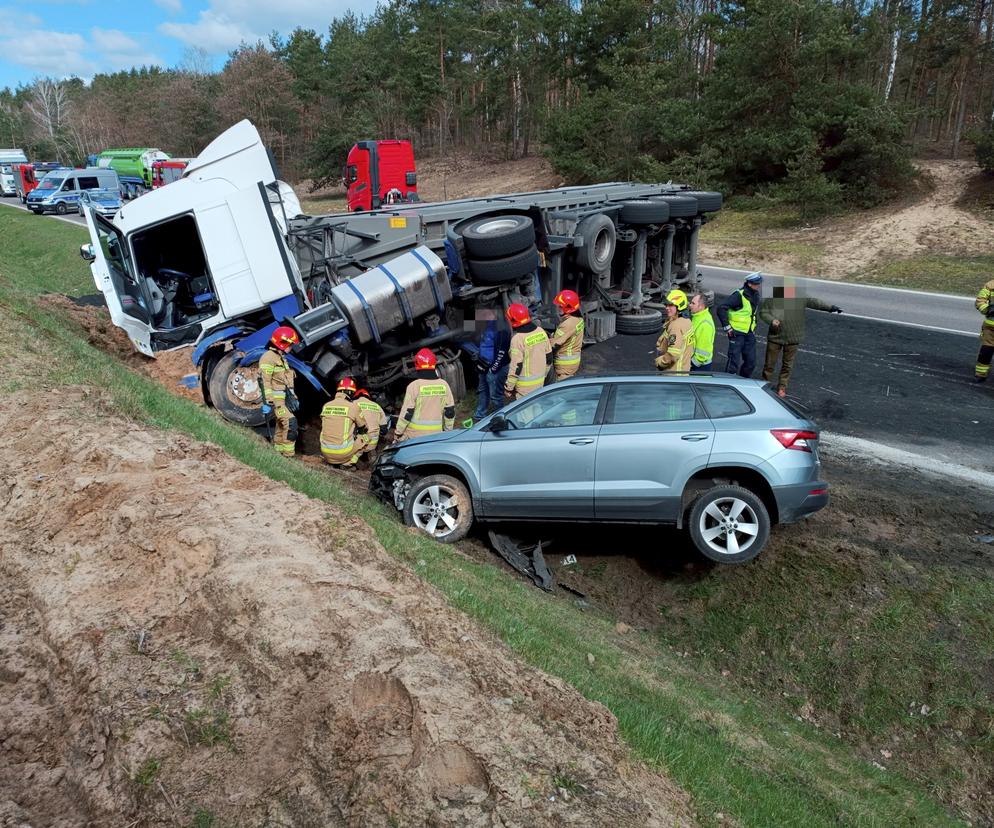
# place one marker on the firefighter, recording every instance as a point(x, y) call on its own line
point(985, 304)
point(675, 345)
point(428, 403)
point(737, 315)
point(568, 338)
point(376, 420)
point(530, 352)
point(343, 427)
point(277, 378)
point(702, 333)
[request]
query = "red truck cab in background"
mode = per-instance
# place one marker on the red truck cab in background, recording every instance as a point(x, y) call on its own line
point(379, 173)
point(166, 172)
point(27, 176)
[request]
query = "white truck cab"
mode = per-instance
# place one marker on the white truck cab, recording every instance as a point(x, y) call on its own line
point(207, 249)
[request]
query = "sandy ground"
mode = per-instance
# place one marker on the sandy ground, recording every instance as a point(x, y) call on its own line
point(245, 651)
point(931, 223)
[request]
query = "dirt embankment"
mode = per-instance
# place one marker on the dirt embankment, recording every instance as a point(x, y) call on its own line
point(173, 651)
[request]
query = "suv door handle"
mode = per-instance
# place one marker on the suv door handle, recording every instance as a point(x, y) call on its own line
point(581, 441)
point(695, 438)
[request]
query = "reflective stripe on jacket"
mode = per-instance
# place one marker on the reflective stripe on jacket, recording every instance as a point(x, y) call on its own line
point(743, 320)
point(568, 340)
point(375, 418)
point(674, 346)
point(528, 362)
point(702, 337)
point(983, 303)
point(276, 376)
point(424, 409)
point(339, 420)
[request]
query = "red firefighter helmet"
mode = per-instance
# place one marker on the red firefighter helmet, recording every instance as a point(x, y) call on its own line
point(346, 384)
point(517, 314)
point(568, 301)
point(284, 338)
point(425, 360)
point(362, 392)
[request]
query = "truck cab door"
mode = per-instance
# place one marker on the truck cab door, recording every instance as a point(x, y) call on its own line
point(113, 273)
point(248, 259)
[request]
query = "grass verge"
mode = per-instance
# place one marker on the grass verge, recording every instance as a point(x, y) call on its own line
point(960, 275)
point(743, 756)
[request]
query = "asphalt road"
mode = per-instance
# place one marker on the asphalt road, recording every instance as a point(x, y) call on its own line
point(71, 218)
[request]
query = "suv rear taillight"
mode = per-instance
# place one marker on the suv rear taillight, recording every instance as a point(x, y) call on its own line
point(791, 438)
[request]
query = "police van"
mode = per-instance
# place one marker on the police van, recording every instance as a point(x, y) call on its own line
point(59, 190)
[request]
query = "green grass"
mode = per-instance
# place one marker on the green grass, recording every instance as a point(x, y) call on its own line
point(147, 772)
point(319, 206)
point(737, 752)
point(755, 232)
point(961, 275)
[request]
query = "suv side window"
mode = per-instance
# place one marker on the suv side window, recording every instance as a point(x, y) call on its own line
point(575, 406)
point(654, 402)
point(723, 401)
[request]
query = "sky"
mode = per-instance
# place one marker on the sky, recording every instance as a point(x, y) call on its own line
point(61, 38)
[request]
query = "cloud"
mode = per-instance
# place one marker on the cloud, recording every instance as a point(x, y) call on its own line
point(22, 18)
point(62, 54)
point(226, 23)
point(171, 6)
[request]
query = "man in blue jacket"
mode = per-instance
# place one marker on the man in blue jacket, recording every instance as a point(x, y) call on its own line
point(737, 315)
point(492, 360)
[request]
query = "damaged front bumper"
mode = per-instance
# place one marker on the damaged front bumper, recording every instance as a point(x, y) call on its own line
point(390, 482)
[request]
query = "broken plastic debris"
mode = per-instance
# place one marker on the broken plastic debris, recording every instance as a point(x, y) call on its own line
point(984, 538)
point(190, 381)
point(569, 560)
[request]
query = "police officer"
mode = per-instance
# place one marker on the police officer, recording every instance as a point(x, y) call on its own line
point(428, 403)
point(675, 345)
point(375, 417)
point(530, 351)
point(737, 315)
point(567, 341)
point(985, 304)
point(702, 333)
point(277, 378)
point(342, 427)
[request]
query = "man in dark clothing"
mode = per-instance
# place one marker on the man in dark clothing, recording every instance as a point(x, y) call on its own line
point(491, 366)
point(737, 315)
point(784, 313)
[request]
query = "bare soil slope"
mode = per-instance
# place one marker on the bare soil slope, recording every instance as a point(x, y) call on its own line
point(170, 649)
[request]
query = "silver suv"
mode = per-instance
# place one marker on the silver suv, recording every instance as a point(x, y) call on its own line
point(720, 455)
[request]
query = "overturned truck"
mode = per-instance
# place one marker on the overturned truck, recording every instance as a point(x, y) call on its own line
point(224, 255)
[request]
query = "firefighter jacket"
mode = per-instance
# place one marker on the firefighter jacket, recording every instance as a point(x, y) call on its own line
point(790, 312)
point(376, 421)
point(341, 421)
point(428, 407)
point(530, 349)
point(567, 341)
point(277, 377)
point(985, 303)
point(738, 311)
point(702, 336)
point(675, 345)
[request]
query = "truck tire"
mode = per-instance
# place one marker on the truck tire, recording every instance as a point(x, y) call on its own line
point(680, 206)
point(455, 375)
point(644, 211)
point(501, 271)
point(729, 524)
point(496, 237)
point(234, 390)
point(600, 237)
point(61, 208)
point(707, 202)
point(434, 502)
point(634, 324)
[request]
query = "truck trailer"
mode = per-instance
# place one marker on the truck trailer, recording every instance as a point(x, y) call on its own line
point(133, 167)
point(223, 256)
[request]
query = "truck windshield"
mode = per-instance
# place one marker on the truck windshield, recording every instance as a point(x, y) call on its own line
point(49, 183)
point(115, 250)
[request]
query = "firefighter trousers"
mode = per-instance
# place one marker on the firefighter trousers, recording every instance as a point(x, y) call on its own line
point(983, 368)
point(285, 436)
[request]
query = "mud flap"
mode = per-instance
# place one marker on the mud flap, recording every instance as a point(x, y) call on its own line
point(526, 558)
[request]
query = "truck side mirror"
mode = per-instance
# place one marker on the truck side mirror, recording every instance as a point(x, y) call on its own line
point(86, 253)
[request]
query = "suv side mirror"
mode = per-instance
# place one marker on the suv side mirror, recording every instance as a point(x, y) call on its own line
point(497, 424)
point(86, 253)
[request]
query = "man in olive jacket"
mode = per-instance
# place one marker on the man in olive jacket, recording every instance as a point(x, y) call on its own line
point(784, 313)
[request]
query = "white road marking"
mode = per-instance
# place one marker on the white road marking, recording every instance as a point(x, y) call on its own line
point(919, 463)
point(974, 334)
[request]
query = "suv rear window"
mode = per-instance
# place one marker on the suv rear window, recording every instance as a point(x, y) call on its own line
point(723, 401)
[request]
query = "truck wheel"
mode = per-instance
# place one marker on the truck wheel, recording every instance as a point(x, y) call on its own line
point(729, 524)
point(439, 505)
point(501, 271)
point(599, 241)
point(644, 211)
point(646, 322)
point(61, 208)
point(680, 206)
point(496, 237)
point(235, 390)
point(707, 202)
